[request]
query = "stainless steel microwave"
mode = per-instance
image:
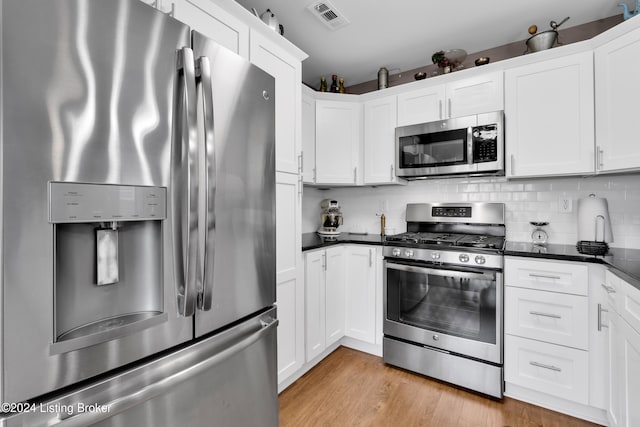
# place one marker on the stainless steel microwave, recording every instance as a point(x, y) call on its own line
point(471, 145)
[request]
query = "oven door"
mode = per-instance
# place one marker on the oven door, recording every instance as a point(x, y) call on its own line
point(457, 309)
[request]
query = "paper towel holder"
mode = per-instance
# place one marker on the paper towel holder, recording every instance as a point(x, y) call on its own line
point(601, 232)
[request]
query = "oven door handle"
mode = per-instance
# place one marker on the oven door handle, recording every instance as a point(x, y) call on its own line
point(474, 274)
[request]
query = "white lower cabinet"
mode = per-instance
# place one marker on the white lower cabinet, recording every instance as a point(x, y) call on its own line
point(550, 325)
point(324, 298)
point(624, 354)
point(335, 281)
point(289, 276)
point(343, 300)
point(361, 290)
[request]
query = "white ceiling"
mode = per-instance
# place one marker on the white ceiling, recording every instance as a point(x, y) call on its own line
point(403, 34)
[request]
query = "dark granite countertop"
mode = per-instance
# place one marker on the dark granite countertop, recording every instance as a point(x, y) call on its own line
point(624, 262)
point(315, 241)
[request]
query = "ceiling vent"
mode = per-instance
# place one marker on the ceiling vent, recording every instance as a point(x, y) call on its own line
point(328, 14)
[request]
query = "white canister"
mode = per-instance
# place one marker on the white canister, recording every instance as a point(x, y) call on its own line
point(594, 222)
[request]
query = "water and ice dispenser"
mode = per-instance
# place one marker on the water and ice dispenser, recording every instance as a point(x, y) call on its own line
point(108, 261)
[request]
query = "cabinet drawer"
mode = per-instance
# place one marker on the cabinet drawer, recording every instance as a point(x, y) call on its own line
point(548, 368)
point(547, 316)
point(569, 278)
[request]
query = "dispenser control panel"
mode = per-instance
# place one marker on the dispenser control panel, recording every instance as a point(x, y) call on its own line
point(79, 202)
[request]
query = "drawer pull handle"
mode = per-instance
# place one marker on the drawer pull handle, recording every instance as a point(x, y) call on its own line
point(609, 289)
point(537, 313)
point(542, 365)
point(543, 276)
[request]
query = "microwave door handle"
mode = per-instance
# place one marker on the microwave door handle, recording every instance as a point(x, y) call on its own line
point(184, 184)
point(204, 78)
point(470, 145)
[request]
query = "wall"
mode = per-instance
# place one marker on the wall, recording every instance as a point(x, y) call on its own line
point(526, 200)
point(565, 36)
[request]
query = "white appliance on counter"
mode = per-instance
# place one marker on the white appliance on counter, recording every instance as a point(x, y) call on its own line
point(138, 249)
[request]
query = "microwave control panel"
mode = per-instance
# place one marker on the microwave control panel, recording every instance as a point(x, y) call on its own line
point(485, 143)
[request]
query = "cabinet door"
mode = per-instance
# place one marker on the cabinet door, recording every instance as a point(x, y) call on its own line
point(630, 375)
point(207, 18)
point(379, 141)
point(480, 94)
point(549, 117)
point(314, 278)
point(628, 302)
point(615, 369)
point(337, 142)
point(290, 288)
point(335, 279)
point(598, 338)
point(617, 67)
point(421, 106)
point(308, 138)
point(288, 73)
point(361, 293)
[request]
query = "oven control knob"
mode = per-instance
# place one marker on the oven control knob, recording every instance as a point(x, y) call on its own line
point(480, 259)
point(463, 258)
point(435, 255)
point(396, 252)
point(436, 337)
point(408, 253)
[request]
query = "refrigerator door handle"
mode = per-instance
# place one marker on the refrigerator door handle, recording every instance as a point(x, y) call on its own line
point(185, 184)
point(203, 75)
point(150, 391)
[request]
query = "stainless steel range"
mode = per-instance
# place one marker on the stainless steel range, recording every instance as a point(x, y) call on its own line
point(443, 293)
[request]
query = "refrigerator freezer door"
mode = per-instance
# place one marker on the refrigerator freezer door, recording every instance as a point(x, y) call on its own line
point(226, 380)
point(239, 274)
point(87, 96)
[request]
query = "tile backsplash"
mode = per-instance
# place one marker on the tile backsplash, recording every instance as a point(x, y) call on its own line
point(525, 200)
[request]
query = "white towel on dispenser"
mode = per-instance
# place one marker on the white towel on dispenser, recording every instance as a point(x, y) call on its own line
point(107, 257)
point(594, 222)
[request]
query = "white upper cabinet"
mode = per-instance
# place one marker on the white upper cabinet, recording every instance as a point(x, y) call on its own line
point(549, 117)
point(338, 130)
point(379, 141)
point(617, 67)
point(287, 71)
point(463, 97)
point(308, 136)
point(421, 106)
point(474, 95)
point(211, 20)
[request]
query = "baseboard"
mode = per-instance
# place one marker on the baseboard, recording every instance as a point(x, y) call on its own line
point(578, 410)
point(307, 366)
point(353, 343)
point(375, 349)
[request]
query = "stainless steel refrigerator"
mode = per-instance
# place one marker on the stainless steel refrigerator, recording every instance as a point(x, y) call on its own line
point(137, 222)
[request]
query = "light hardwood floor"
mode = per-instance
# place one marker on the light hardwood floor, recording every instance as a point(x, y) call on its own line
point(351, 388)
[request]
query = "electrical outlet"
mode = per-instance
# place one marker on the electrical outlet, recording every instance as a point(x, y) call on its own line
point(565, 205)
